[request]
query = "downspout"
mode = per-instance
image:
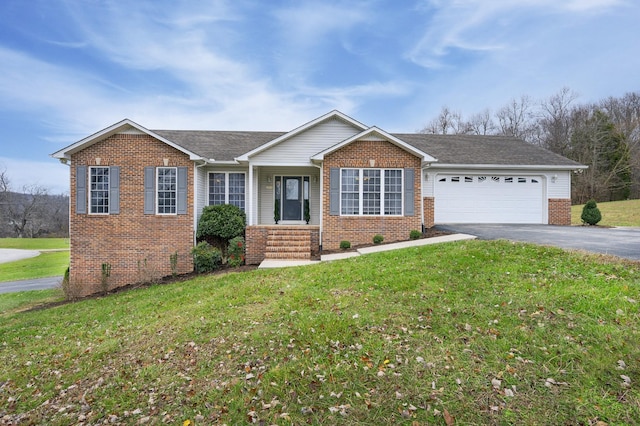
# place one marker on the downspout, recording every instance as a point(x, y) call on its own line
point(250, 197)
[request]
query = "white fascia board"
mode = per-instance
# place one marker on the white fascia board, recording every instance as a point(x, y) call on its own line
point(426, 158)
point(66, 152)
point(505, 167)
point(225, 162)
point(298, 130)
point(281, 164)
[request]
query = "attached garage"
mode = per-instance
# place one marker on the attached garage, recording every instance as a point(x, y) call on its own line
point(489, 198)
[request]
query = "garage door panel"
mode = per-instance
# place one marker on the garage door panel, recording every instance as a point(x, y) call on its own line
point(488, 199)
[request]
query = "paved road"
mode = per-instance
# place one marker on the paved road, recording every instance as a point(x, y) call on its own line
point(11, 255)
point(34, 284)
point(621, 242)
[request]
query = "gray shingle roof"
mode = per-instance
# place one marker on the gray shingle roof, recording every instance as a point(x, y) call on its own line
point(219, 145)
point(473, 149)
point(448, 149)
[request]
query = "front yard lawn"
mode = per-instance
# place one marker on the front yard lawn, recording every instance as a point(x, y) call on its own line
point(472, 332)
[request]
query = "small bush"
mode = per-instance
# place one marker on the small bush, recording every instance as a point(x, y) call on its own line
point(235, 252)
point(415, 234)
point(377, 239)
point(173, 261)
point(591, 213)
point(345, 245)
point(206, 258)
point(222, 221)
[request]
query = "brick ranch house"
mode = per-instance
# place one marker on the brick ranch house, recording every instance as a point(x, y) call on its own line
point(137, 194)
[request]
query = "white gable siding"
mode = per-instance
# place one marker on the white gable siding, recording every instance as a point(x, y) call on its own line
point(561, 188)
point(298, 149)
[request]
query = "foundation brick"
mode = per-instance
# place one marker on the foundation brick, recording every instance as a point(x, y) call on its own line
point(560, 211)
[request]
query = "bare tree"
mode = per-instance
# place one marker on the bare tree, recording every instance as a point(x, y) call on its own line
point(515, 118)
point(482, 123)
point(447, 122)
point(554, 126)
point(26, 213)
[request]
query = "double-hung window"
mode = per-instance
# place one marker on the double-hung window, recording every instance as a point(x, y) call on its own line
point(371, 192)
point(167, 190)
point(227, 188)
point(99, 190)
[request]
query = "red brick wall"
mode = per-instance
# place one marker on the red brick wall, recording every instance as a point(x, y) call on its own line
point(361, 229)
point(559, 211)
point(255, 244)
point(137, 246)
point(429, 211)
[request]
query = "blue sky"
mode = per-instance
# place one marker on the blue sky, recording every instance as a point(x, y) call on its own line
point(71, 68)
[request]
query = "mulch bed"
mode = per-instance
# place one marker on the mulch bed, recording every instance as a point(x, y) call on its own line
point(429, 233)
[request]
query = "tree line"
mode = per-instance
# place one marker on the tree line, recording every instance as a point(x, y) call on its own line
point(603, 135)
point(31, 212)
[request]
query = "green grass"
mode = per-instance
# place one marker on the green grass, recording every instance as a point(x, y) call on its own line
point(47, 264)
point(614, 213)
point(489, 332)
point(35, 243)
point(24, 300)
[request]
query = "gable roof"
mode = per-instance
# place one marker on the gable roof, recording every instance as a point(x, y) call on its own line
point(439, 150)
point(335, 114)
point(379, 133)
point(120, 127)
point(485, 150)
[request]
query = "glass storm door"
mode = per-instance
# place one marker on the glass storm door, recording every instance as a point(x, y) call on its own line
point(292, 198)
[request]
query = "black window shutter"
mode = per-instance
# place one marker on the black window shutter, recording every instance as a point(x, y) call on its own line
point(149, 190)
point(114, 190)
point(409, 192)
point(334, 191)
point(81, 189)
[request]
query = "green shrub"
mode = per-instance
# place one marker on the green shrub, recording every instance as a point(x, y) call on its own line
point(377, 239)
point(591, 213)
point(415, 234)
point(307, 211)
point(235, 252)
point(222, 221)
point(205, 257)
point(345, 245)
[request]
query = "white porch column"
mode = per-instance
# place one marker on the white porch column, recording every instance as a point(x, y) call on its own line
point(249, 200)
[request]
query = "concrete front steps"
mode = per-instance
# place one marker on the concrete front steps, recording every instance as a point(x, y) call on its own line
point(288, 244)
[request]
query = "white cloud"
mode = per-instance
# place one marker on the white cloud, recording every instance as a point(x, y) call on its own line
point(51, 175)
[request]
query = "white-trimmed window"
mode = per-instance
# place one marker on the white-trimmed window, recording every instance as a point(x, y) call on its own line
point(369, 192)
point(227, 188)
point(167, 193)
point(99, 190)
point(393, 192)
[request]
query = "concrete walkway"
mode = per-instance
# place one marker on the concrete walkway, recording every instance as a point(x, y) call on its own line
point(366, 250)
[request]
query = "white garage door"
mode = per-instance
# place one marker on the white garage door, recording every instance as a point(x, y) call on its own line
point(488, 199)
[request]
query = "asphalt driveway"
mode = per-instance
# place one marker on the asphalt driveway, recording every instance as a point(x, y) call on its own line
point(621, 242)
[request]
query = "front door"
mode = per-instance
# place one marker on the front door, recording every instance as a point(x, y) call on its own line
point(292, 199)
